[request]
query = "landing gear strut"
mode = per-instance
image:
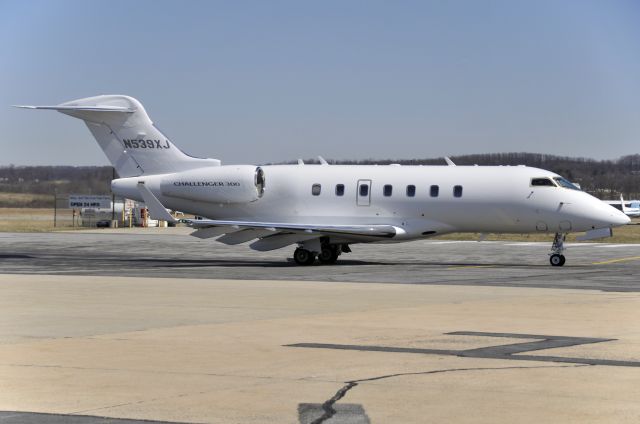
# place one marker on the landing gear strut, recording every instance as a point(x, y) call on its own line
point(556, 257)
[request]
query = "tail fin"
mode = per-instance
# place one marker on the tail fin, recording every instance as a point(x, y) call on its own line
point(126, 134)
point(622, 206)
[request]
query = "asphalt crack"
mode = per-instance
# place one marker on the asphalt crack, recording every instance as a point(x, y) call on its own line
point(329, 411)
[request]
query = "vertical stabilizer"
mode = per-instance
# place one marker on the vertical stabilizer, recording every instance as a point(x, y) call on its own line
point(126, 134)
point(622, 206)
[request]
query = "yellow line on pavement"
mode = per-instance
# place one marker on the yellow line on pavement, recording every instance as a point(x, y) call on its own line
point(611, 261)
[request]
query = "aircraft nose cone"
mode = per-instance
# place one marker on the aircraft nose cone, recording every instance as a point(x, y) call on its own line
point(615, 217)
point(621, 219)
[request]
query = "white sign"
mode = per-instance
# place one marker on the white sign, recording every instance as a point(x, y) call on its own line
point(84, 201)
point(129, 205)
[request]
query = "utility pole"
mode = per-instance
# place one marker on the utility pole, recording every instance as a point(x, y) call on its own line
point(55, 207)
point(113, 197)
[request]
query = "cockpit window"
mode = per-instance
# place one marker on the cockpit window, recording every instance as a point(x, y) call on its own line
point(542, 182)
point(565, 183)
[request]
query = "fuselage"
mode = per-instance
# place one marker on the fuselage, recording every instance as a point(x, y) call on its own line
point(422, 200)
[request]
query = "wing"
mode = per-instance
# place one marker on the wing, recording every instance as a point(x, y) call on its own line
point(270, 235)
point(275, 235)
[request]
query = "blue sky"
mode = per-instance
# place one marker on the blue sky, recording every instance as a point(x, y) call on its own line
point(267, 81)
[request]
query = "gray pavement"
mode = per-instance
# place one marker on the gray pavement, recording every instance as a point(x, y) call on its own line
point(11, 417)
point(173, 253)
point(138, 325)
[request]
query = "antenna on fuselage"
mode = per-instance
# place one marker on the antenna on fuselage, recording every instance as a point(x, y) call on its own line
point(449, 161)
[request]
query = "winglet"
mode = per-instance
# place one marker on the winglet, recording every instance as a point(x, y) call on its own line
point(156, 210)
point(449, 161)
point(322, 161)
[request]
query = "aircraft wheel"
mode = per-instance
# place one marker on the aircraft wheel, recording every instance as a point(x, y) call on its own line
point(557, 260)
point(303, 257)
point(328, 255)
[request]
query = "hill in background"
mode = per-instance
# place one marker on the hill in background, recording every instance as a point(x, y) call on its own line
point(34, 186)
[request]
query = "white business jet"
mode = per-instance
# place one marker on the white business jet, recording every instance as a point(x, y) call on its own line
point(323, 209)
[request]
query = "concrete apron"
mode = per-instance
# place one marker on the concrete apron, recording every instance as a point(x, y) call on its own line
point(272, 351)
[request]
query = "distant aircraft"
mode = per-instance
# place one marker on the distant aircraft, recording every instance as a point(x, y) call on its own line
point(323, 209)
point(631, 208)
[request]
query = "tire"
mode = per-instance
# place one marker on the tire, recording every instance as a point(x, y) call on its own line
point(557, 260)
point(303, 257)
point(328, 256)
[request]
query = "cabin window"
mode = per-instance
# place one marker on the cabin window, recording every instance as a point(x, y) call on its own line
point(411, 190)
point(541, 182)
point(434, 191)
point(565, 183)
point(387, 190)
point(364, 190)
point(457, 191)
point(339, 189)
point(315, 189)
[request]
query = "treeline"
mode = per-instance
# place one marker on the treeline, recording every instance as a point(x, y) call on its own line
point(60, 179)
point(606, 179)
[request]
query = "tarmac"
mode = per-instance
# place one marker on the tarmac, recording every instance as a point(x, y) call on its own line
point(127, 327)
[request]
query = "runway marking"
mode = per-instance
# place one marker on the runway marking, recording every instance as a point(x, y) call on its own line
point(612, 261)
point(509, 351)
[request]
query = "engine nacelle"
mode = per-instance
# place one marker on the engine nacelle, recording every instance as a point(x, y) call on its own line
point(221, 184)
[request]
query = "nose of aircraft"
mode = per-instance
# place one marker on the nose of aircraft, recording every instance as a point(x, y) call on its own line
point(613, 216)
point(621, 218)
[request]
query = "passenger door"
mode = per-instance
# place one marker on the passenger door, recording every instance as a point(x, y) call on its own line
point(363, 193)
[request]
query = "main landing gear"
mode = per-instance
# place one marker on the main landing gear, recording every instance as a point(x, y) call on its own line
point(556, 258)
point(328, 254)
point(303, 256)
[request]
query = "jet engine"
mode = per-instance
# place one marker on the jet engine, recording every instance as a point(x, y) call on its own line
point(221, 184)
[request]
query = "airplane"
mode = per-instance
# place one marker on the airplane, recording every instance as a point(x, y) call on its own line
point(324, 209)
point(631, 208)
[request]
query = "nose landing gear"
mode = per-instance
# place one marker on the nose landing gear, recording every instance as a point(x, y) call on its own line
point(556, 258)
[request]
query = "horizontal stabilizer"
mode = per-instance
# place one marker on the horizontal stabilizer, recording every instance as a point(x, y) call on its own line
point(99, 108)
